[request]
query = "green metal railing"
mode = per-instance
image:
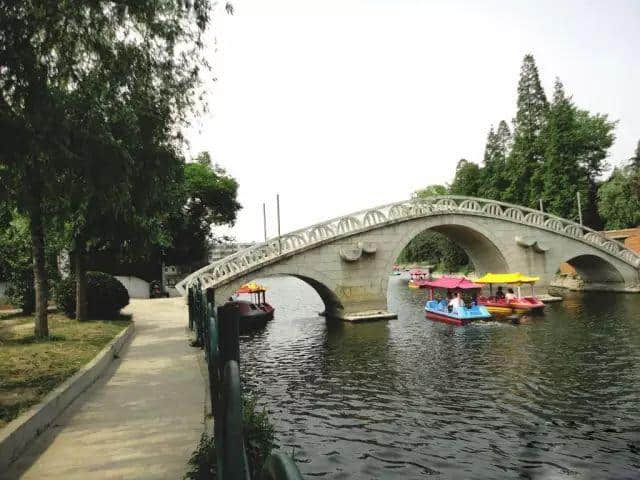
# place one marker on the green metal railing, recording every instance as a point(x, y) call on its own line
point(218, 333)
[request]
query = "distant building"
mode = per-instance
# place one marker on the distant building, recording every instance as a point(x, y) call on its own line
point(629, 236)
point(221, 250)
point(173, 274)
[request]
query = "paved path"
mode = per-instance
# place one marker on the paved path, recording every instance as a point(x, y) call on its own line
point(141, 420)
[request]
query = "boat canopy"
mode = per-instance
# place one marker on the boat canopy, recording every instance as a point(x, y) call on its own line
point(416, 271)
point(451, 283)
point(251, 287)
point(516, 278)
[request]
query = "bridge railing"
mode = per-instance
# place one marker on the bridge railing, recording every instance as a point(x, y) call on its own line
point(298, 240)
point(218, 333)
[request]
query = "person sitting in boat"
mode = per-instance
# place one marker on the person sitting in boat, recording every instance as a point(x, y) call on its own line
point(456, 302)
point(499, 293)
point(510, 295)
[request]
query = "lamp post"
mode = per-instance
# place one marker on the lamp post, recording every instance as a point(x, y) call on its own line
point(264, 221)
point(278, 207)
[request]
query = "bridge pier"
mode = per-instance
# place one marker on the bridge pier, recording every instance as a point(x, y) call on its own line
point(362, 308)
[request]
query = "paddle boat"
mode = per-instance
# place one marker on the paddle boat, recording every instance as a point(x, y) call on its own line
point(520, 304)
point(418, 277)
point(254, 312)
point(439, 309)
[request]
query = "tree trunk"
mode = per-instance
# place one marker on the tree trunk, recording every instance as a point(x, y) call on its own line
point(39, 268)
point(80, 268)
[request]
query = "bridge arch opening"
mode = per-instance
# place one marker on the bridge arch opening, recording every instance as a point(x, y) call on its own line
point(332, 304)
point(595, 269)
point(483, 253)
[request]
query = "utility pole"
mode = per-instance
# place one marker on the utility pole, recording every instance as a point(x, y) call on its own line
point(579, 208)
point(541, 209)
point(278, 207)
point(264, 220)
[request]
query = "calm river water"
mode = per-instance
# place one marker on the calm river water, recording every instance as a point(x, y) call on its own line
point(410, 398)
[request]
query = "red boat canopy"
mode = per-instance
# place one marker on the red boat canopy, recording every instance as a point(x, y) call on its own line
point(451, 283)
point(416, 271)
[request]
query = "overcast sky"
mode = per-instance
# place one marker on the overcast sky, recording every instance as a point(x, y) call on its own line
point(340, 105)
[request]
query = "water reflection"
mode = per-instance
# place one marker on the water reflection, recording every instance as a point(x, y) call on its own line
point(557, 398)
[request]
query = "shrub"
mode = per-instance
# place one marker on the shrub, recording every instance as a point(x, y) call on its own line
point(259, 440)
point(105, 295)
point(21, 290)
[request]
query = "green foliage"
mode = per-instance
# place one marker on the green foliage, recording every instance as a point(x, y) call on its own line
point(635, 160)
point(556, 151)
point(259, 440)
point(94, 95)
point(105, 296)
point(207, 197)
point(259, 435)
point(202, 463)
point(494, 178)
point(430, 191)
point(563, 176)
point(16, 261)
point(467, 180)
point(523, 164)
point(619, 198)
point(437, 249)
point(21, 291)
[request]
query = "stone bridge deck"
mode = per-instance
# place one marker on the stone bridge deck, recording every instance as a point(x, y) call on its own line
point(141, 420)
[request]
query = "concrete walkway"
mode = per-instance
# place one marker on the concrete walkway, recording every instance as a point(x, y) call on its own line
point(141, 420)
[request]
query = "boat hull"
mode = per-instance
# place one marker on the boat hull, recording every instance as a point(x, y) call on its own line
point(463, 316)
point(253, 316)
point(249, 323)
point(441, 317)
point(522, 305)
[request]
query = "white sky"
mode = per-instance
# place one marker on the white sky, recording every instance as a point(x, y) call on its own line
point(340, 105)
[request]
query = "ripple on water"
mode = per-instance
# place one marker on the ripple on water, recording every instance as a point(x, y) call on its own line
point(410, 398)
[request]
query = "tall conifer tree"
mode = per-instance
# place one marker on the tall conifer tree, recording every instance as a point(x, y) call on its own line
point(467, 179)
point(525, 181)
point(635, 160)
point(494, 178)
point(563, 176)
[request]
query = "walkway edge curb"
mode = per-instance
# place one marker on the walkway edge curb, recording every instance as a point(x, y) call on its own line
point(18, 433)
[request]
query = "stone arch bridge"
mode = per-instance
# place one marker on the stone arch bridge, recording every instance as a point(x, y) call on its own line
point(347, 260)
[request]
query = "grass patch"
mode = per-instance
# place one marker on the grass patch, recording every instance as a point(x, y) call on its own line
point(30, 368)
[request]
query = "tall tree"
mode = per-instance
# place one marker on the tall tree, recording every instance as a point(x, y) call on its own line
point(635, 160)
point(54, 55)
point(596, 134)
point(430, 191)
point(619, 198)
point(467, 179)
point(208, 197)
point(494, 178)
point(525, 160)
point(563, 175)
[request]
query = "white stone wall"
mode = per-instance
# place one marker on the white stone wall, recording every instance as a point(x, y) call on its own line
point(136, 287)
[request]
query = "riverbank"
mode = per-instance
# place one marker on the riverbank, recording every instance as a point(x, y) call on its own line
point(30, 368)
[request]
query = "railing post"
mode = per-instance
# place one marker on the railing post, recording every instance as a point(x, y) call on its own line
point(229, 334)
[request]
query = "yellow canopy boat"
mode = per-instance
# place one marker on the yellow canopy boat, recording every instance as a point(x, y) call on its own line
point(507, 278)
point(519, 304)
